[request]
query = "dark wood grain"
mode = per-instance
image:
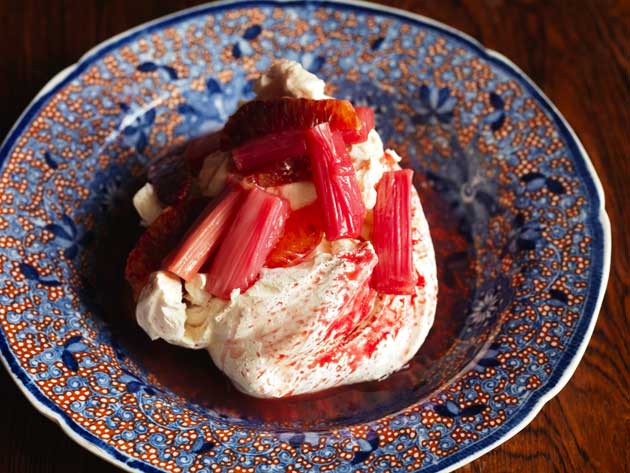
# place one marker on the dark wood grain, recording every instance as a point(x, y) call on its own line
point(577, 51)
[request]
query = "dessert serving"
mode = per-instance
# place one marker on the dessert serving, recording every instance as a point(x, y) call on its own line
point(277, 247)
point(290, 244)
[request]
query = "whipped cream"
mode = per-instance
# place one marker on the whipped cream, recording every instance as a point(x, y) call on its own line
point(314, 325)
point(147, 204)
point(289, 79)
point(162, 313)
point(298, 194)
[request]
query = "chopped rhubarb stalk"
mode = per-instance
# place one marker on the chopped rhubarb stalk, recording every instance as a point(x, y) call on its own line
point(162, 235)
point(261, 117)
point(391, 236)
point(199, 148)
point(303, 231)
point(269, 149)
point(203, 237)
point(256, 229)
point(366, 114)
point(336, 183)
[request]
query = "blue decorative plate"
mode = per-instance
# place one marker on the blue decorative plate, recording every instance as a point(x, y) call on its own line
point(516, 212)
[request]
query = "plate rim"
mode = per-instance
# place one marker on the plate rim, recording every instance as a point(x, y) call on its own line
point(532, 406)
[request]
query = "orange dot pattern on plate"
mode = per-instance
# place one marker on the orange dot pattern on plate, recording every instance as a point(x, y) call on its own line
point(475, 132)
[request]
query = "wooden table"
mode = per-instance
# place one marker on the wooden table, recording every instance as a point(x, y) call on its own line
point(577, 51)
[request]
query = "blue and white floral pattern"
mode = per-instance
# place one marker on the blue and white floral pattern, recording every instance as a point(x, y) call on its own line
point(488, 143)
point(207, 111)
point(136, 125)
point(468, 186)
point(436, 105)
point(68, 236)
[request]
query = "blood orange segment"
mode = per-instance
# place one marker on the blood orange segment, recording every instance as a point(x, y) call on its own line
point(391, 236)
point(170, 177)
point(204, 235)
point(366, 115)
point(280, 173)
point(157, 240)
point(303, 231)
point(199, 148)
point(269, 149)
point(336, 183)
point(256, 229)
point(261, 117)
